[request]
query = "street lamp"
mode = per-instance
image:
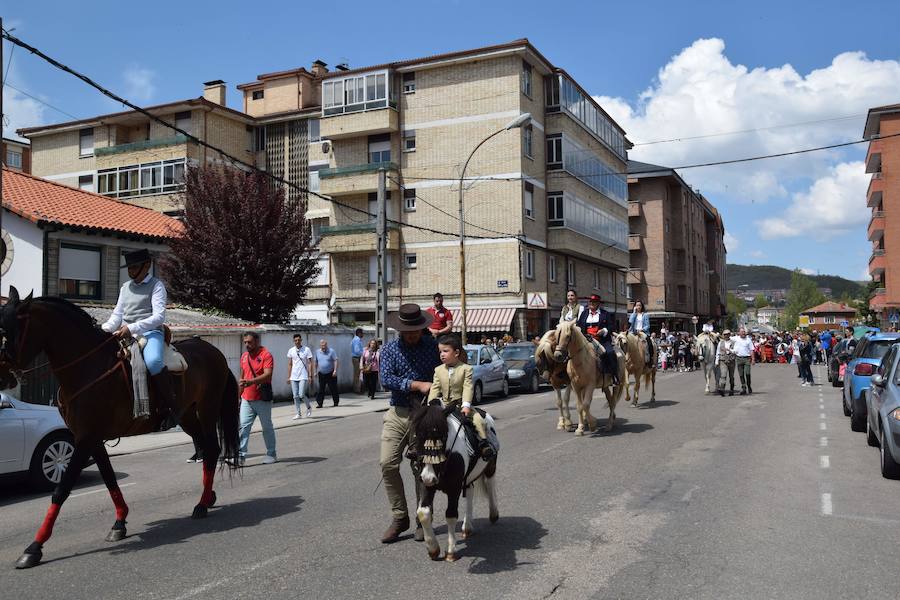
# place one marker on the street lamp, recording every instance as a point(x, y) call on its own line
point(519, 121)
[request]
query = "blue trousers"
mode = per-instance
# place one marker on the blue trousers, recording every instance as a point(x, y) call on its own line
point(153, 352)
point(249, 411)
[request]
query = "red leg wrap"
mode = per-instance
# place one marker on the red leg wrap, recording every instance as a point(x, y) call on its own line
point(46, 529)
point(206, 498)
point(119, 501)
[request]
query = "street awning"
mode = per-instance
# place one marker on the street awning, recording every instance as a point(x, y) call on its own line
point(485, 319)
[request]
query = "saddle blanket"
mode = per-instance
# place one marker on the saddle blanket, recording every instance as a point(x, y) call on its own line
point(173, 360)
point(468, 437)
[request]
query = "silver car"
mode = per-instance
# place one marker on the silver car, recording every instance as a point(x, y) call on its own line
point(489, 372)
point(883, 407)
point(35, 441)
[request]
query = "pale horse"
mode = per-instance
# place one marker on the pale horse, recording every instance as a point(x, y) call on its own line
point(636, 365)
point(555, 373)
point(705, 350)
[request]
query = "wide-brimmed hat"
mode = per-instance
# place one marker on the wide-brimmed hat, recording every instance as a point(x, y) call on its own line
point(138, 257)
point(726, 332)
point(410, 317)
point(595, 298)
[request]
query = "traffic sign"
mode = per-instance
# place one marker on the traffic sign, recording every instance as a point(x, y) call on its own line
point(895, 317)
point(804, 321)
point(537, 299)
point(502, 283)
point(845, 323)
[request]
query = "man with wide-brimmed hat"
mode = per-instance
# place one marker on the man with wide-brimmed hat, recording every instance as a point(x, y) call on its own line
point(407, 371)
point(597, 324)
point(725, 362)
point(140, 312)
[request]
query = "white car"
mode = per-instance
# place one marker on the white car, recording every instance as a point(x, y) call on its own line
point(33, 440)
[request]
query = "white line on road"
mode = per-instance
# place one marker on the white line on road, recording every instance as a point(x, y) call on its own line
point(823, 442)
point(822, 426)
point(98, 490)
point(824, 462)
point(827, 508)
point(821, 415)
point(558, 444)
point(213, 584)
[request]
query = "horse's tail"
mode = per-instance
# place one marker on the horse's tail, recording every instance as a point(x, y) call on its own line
point(228, 422)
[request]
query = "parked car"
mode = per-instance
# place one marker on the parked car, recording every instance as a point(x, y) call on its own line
point(883, 412)
point(34, 441)
point(840, 354)
point(866, 358)
point(522, 369)
point(489, 371)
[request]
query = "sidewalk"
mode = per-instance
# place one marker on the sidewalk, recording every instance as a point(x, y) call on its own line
point(282, 413)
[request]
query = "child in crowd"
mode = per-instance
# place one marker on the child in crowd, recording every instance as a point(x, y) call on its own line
point(663, 357)
point(453, 385)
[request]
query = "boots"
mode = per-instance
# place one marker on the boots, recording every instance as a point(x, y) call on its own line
point(165, 393)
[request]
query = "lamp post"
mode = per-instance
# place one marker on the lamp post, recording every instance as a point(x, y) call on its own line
point(514, 124)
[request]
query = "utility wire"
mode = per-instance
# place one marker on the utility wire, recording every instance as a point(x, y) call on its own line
point(236, 161)
point(35, 98)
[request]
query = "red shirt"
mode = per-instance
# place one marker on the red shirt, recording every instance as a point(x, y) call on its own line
point(441, 318)
point(260, 361)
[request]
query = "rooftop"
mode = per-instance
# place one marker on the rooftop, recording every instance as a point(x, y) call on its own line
point(830, 308)
point(45, 202)
point(873, 120)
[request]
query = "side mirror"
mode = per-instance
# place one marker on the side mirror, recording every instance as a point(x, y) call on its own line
point(877, 380)
point(4, 403)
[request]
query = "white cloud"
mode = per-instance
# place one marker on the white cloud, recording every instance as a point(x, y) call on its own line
point(835, 203)
point(139, 83)
point(20, 111)
point(864, 274)
point(701, 92)
point(731, 242)
point(806, 271)
point(757, 254)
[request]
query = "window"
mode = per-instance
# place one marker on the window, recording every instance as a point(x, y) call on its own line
point(551, 93)
point(682, 294)
point(527, 139)
point(258, 94)
point(259, 139)
point(409, 199)
point(143, 179)
point(314, 181)
point(355, 93)
point(554, 152)
point(622, 287)
point(596, 278)
point(409, 141)
point(183, 121)
point(668, 258)
point(570, 273)
point(555, 216)
point(314, 135)
point(79, 271)
point(315, 230)
point(610, 281)
point(409, 83)
point(379, 148)
point(411, 260)
point(829, 320)
point(86, 183)
point(526, 78)
point(86, 142)
point(373, 270)
point(529, 264)
point(324, 276)
point(528, 200)
point(583, 109)
point(14, 159)
point(595, 170)
point(551, 268)
point(373, 206)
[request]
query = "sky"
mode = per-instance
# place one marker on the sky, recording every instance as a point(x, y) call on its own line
point(741, 79)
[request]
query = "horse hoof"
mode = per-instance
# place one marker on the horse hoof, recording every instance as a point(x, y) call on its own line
point(435, 554)
point(116, 535)
point(29, 559)
point(451, 557)
point(213, 501)
point(579, 432)
point(494, 518)
point(200, 512)
point(467, 533)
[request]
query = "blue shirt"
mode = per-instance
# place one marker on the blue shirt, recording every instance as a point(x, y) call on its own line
point(402, 364)
point(356, 347)
point(325, 360)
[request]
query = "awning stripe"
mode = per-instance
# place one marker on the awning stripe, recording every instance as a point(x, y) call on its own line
point(485, 319)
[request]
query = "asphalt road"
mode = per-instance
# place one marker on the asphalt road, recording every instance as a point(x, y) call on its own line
point(766, 496)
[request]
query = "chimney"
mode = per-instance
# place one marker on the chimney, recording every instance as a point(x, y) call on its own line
point(342, 67)
point(214, 91)
point(319, 68)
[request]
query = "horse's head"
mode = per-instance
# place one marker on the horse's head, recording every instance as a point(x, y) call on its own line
point(12, 332)
point(431, 431)
point(565, 333)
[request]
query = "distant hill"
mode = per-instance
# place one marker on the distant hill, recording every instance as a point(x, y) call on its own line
point(765, 277)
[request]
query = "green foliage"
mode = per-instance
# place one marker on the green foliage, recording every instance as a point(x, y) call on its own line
point(760, 301)
point(866, 315)
point(768, 277)
point(802, 295)
point(734, 307)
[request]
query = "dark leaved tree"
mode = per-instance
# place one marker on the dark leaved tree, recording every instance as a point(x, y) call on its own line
point(244, 251)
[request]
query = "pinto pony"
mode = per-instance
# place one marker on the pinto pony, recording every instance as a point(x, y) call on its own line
point(636, 365)
point(705, 349)
point(446, 463)
point(95, 398)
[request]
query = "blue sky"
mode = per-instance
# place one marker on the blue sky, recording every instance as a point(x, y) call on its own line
point(663, 69)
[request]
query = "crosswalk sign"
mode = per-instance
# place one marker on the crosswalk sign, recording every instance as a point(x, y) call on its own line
point(537, 300)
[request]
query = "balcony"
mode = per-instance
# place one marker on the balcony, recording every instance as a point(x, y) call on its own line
point(635, 242)
point(142, 145)
point(873, 157)
point(875, 191)
point(877, 263)
point(356, 237)
point(634, 209)
point(635, 277)
point(356, 179)
point(876, 225)
point(369, 122)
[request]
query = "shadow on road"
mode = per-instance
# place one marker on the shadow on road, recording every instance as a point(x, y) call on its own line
point(494, 547)
point(657, 404)
point(15, 488)
point(302, 460)
point(622, 426)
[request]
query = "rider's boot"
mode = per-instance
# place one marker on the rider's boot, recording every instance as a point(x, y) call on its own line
point(485, 449)
point(165, 393)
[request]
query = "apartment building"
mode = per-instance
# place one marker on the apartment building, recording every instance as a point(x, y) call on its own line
point(883, 197)
point(545, 204)
point(16, 155)
point(130, 157)
point(677, 248)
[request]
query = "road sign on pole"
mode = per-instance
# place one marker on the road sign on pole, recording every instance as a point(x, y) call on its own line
point(845, 323)
point(804, 321)
point(537, 299)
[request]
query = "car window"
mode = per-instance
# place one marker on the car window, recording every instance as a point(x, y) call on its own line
point(516, 353)
point(492, 354)
point(472, 357)
point(896, 374)
point(876, 349)
point(887, 361)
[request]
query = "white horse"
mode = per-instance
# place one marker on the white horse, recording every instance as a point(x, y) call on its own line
point(705, 349)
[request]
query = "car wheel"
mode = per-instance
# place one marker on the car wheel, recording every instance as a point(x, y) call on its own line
point(844, 405)
point(535, 383)
point(856, 423)
point(871, 438)
point(889, 467)
point(476, 397)
point(50, 460)
point(504, 390)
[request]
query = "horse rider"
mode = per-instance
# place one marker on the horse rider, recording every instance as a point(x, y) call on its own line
point(639, 325)
point(140, 312)
point(572, 310)
point(598, 325)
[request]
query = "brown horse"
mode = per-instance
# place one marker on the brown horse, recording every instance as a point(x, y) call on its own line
point(636, 365)
point(96, 403)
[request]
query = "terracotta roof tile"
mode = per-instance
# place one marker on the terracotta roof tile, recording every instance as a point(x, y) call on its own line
point(42, 201)
point(829, 307)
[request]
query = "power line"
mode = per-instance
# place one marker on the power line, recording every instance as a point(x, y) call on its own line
point(35, 98)
point(234, 160)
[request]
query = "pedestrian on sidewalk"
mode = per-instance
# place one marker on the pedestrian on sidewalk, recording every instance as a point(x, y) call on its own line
point(806, 360)
point(743, 360)
point(442, 318)
point(326, 368)
point(407, 371)
point(356, 351)
point(370, 367)
point(299, 369)
point(257, 365)
point(725, 362)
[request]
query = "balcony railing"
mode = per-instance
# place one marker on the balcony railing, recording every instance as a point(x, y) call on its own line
point(142, 145)
point(356, 169)
point(592, 222)
point(368, 227)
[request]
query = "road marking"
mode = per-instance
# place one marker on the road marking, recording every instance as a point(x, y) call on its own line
point(821, 415)
point(827, 508)
point(822, 426)
point(824, 462)
point(558, 444)
point(823, 442)
point(98, 490)
point(213, 584)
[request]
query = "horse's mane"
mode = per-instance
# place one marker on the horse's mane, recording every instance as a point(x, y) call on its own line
point(73, 313)
point(431, 418)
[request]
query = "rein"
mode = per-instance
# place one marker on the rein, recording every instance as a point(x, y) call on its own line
point(69, 364)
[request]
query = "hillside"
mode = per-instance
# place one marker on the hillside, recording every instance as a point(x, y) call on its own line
point(758, 277)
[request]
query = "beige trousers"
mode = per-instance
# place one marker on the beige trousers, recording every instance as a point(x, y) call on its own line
point(357, 384)
point(394, 439)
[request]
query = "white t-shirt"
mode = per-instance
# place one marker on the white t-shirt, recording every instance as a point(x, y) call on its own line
point(299, 358)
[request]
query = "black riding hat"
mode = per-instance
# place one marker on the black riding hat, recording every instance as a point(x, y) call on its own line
point(138, 257)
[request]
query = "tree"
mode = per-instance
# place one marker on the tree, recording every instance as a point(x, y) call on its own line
point(244, 250)
point(802, 295)
point(866, 315)
point(759, 301)
point(734, 307)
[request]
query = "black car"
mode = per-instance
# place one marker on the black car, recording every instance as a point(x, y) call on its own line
point(522, 370)
point(840, 354)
